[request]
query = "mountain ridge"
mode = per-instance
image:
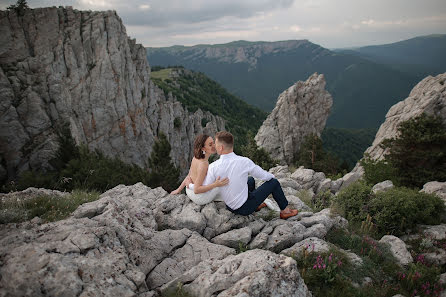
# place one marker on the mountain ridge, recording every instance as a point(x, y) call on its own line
point(259, 72)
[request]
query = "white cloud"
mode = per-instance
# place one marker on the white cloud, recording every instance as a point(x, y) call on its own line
point(295, 28)
point(144, 6)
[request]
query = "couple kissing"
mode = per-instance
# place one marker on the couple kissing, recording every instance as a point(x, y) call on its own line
point(230, 178)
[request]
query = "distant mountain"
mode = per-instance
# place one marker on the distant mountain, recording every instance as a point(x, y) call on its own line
point(195, 90)
point(258, 72)
point(419, 56)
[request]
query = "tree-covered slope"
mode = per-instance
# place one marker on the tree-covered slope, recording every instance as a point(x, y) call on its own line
point(258, 72)
point(195, 90)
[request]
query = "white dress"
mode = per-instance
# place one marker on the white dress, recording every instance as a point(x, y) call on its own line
point(204, 198)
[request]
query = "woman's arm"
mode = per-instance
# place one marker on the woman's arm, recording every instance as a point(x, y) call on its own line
point(181, 187)
point(198, 183)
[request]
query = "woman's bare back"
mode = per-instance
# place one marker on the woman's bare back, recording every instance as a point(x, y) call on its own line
point(195, 168)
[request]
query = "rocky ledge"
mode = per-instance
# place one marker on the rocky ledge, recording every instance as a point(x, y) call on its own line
point(138, 241)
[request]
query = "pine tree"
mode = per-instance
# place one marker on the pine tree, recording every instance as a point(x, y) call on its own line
point(162, 170)
point(19, 7)
point(418, 154)
point(312, 155)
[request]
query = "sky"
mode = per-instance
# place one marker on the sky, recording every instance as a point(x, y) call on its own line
point(329, 23)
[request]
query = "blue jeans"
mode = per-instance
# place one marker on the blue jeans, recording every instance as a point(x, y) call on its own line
point(257, 196)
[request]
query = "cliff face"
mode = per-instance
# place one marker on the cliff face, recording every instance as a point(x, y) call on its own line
point(428, 96)
point(301, 110)
point(59, 65)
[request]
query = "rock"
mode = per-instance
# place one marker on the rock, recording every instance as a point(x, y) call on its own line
point(354, 259)
point(36, 221)
point(280, 171)
point(398, 249)
point(285, 235)
point(428, 96)
point(325, 185)
point(193, 252)
point(31, 193)
point(350, 178)
point(437, 232)
point(308, 178)
point(310, 244)
point(382, 186)
point(89, 74)
point(322, 217)
point(234, 237)
point(287, 182)
point(297, 203)
point(336, 185)
point(317, 230)
point(437, 257)
point(252, 273)
point(301, 110)
point(437, 188)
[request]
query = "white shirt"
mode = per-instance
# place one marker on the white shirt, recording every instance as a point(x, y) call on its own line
point(237, 169)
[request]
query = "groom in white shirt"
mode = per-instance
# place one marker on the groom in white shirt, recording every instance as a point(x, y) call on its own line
point(240, 194)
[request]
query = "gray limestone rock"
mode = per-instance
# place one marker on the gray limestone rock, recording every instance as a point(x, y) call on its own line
point(234, 237)
point(428, 96)
point(252, 273)
point(398, 249)
point(285, 235)
point(310, 244)
point(193, 252)
point(322, 217)
point(317, 230)
point(350, 178)
point(437, 188)
point(80, 68)
point(437, 232)
point(300, 110)
point(382, 186)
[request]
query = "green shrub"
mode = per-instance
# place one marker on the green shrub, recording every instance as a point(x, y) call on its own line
point(162, 170)
point(392, 212)
point(376, 171)
point(177, 122)
point(399, 209)
point(353, 201)
point(321, 200)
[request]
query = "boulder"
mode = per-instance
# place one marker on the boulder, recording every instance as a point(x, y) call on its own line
point(300, 110)
point(252, 273)
point(310, 245)
point(398, 249)
point(382, 186)
point(234, 238)
point(428, 96)
point(437, 188)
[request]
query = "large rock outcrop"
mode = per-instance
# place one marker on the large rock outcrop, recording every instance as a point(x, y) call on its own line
point(428, 96)
point(136, 241)
point(301, 110)
point(60, 65)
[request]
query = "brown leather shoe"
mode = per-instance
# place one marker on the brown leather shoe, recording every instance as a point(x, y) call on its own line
point(292, 213)
point(261, 206)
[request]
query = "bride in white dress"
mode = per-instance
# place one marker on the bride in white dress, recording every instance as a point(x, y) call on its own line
point(199, 189)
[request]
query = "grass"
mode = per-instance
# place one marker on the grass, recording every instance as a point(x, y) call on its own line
point(270, 215)
point(162, 74)
point(332, 274)
point(177, 291)
point(48, 208)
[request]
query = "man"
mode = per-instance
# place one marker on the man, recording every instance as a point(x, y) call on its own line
point(240, 194)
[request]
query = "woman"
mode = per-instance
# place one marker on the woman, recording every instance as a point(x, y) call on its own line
point(204, 191)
